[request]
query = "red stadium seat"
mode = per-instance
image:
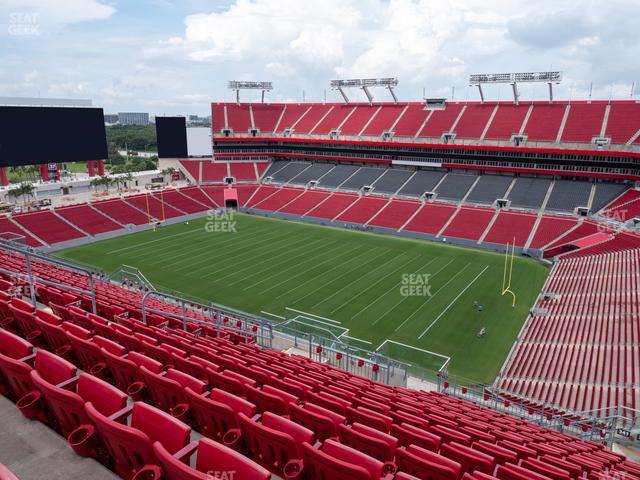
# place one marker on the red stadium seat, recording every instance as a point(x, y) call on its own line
point(213, 461)
point(513, 472)
point(164, 392)
point(15, 357)
point(336, 461)
point(126, 371)
point(322, 422)
point(67, 404)
point(411, 435)
point(546, 469)
point(470, 460)
point(275, 442)
point(131, 446)
point(426, 464)
point(369, 441)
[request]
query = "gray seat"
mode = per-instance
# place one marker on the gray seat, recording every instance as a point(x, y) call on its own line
point(392, 180)
point(314, 172)
point(489, 188)
point(568, 194)
point(289, 171)
point(422, 181)
point(605, 194)
point(455, 186)
point(364, 176)
point(338, 175)
point(529, 192)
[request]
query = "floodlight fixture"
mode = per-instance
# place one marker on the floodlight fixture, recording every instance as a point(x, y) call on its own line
point(365, 84)
point(237, 85)
point(513, 79)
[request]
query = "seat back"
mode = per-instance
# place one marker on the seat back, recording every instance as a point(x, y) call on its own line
point(13, 346)
point(423, 463)
point(213, 460)
point(66, 406)
point(123, 371)
point(86, 352)
point(109, 345)
point(106, 398)
point(271, 441)
point(369, 441)
point(216, 415)
point(17, 375)
point(52, 368)
point(130, 448)
point(513, 472)
point(186, 380)
point(164, 392)
point(25, 319)
point(320, 465)
point(470, 460)
point(410, 435)
point(55, 337)
point(157, 353)
point(321, 422)
point(160, 426)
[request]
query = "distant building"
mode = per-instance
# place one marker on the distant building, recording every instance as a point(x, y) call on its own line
point(194, 120)
point(133, 118)
point(110, 118)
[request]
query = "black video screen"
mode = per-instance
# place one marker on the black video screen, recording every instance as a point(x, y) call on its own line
point(37, 135)
point(171, 133)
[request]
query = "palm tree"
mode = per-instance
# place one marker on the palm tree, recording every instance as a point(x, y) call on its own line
point(128, 177)
point(24, 190)
point(168, 172)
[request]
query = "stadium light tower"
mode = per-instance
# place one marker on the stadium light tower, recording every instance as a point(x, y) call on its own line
point(365, 84)
point(477, 80)
point(240, 85)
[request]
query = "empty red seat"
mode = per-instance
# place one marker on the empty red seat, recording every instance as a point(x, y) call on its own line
point(423, 463)
point(67, 404)
point(213, 461)
point(322, 422)
point(513, 472)
point(336, 461)
point(165, 392)
point(470, 460)
point(126, 371)
point(369, 417)
point(500, 454)
point(15, 357)
point(369, 441)
point(410, 435)
point(546, 469)
point(216, 414)
point(270, 399)
point(275, 442)
point(131, 445)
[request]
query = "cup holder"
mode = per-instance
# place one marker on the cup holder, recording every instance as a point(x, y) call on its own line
point(136, 391)
point(293, 469)
point(98, 369)
point(82, 440)
point(180, 411)
point(29, 404)
point(231, 439)
point(148, 472)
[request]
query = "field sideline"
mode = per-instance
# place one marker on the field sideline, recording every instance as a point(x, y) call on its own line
point(371, 284)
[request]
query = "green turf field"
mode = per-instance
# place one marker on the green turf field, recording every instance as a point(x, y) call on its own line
point(371, 284)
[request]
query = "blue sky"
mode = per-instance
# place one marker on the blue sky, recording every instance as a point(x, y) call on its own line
point(174, 57)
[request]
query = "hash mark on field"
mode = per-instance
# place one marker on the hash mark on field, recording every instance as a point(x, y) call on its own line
point(313, 315)
point(429, 299)
point(452, 302)
point(407, 297)
point(312, 279)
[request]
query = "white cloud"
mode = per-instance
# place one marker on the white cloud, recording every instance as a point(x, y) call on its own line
point(52, 14)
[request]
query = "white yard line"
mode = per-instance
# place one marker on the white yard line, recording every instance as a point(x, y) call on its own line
point(313, 315)
point(330, 270)
point(350, 300)
point(117, 250)
point(332, 259)
point(393, 288)
point(365, 275)
point(273, 315)
point(452, 302)
point(407, 297)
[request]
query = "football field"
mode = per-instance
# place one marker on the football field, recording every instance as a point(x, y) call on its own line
point(370, 289)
